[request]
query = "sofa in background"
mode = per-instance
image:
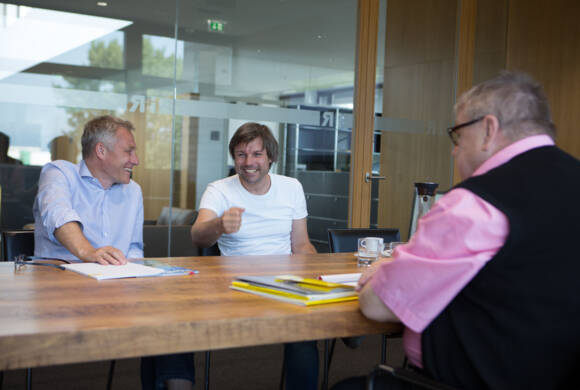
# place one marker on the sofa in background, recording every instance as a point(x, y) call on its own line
point(156, 238)
point(156, 234)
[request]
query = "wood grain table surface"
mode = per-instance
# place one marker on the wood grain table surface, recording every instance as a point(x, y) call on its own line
point(49, 316)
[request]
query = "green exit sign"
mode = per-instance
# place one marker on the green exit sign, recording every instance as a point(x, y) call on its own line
point(215, 25)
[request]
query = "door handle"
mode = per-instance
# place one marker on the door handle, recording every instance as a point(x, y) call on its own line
point(369, 176)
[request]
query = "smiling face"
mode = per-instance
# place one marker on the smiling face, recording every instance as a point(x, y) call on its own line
point(119, 158)
point(252, 165)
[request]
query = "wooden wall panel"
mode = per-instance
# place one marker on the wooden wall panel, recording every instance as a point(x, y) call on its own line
point(185, 181)
point(364, 96)
point(538, 37)
point(466, 45)
point(465, 53)
point(544, 41)
point(64, 147)
point(417, 31)
point(154, 182)
point(418, 85)
point(155, 186)
point(490, 39)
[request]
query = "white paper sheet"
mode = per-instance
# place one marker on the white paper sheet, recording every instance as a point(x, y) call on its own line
point(350, 279)
point(101, 272)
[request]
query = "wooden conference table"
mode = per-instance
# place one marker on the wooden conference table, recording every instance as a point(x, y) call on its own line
point(49, 316)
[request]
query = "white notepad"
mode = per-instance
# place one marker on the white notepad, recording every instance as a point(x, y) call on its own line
point(101, 272)
point(350, 279)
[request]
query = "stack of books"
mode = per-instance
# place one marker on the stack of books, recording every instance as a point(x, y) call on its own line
point(295, 289)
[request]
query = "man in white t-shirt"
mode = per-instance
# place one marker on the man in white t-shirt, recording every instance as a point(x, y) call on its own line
point(256, 212)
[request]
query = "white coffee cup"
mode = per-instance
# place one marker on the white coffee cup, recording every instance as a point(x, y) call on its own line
point(369, 250)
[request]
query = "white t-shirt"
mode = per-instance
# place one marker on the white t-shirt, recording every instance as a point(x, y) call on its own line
point(267, 219)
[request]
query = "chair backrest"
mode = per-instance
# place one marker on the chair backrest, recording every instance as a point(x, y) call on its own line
point(17, 242)
point(178, 216)
point(346, 240)
point(213, 250)
point(155, 241)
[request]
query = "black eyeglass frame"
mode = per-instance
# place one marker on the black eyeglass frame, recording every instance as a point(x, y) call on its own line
point(21, 261)
point(452, 131)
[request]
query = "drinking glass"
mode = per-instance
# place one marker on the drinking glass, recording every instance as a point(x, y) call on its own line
point(391, 247)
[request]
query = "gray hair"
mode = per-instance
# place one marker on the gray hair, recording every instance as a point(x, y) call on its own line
point(101, 129)
point(515, 99)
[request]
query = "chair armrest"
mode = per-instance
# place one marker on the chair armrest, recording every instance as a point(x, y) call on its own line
point(408, 376)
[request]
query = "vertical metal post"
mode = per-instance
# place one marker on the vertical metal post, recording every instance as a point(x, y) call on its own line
point(207, 362)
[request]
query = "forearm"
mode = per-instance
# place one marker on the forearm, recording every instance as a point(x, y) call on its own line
point(71, 236)
point(299, 240)
point(305, 247)
point(205, 234)
point(373, 307)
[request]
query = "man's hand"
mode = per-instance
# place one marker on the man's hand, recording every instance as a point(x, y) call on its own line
point(106, 255)
point(72, 238)
point(231, 220)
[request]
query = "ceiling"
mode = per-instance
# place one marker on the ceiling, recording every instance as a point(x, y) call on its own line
point(309, 32)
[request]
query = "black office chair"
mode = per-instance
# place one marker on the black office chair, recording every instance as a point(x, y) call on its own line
point(405, 375)
point(346, 240)
point(17, 242)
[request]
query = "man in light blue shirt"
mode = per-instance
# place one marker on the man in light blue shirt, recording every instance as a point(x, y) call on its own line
point(92, 211)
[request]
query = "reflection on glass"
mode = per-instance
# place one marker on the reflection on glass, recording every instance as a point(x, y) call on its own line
point(158, 56)
point(121, 61)
point(31, 36)
point(4, 147)
point(64, 147)
point(104, 52)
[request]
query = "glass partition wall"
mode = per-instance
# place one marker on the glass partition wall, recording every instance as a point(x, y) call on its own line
point(187, 74)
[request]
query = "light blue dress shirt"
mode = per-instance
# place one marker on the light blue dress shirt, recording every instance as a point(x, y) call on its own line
point(68, 192)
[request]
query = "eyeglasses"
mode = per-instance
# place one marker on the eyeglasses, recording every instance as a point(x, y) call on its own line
point(452, 131)
point(21, 261)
